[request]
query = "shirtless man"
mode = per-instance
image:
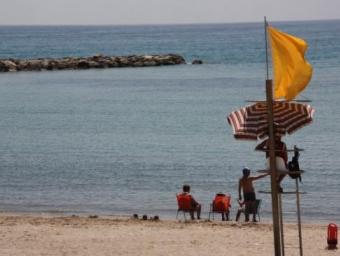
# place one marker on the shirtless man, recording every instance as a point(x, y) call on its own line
point(246, 184)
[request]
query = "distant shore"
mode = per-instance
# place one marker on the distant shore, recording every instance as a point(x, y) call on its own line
point(97, 61)
point(99, 235)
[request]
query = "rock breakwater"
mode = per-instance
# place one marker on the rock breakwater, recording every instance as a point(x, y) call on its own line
point(97, 61)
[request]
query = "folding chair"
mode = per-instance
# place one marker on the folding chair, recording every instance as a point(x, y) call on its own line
point(256, 209)
point(184, 204)
point(220, 204)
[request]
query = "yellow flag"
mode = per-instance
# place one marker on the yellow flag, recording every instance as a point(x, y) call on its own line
point(292, 72)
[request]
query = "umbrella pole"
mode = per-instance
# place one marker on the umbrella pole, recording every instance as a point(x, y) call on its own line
point(275, 202)
point(299, 215)
point(281, 226)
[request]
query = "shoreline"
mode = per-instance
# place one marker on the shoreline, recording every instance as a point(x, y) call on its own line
point(163, 217)
point(75, 235)
point(128, 219)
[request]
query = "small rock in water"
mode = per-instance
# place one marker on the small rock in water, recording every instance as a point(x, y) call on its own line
point(195, 62)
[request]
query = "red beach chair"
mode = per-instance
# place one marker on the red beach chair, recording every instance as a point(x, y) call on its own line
point(184, 204)
point(221, 204)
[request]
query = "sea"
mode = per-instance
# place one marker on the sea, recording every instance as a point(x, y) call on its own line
point(124, 140)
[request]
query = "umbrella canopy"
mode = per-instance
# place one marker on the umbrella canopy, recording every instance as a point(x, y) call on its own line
point(251, 122)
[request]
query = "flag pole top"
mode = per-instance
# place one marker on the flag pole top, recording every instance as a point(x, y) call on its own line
point(266, 45)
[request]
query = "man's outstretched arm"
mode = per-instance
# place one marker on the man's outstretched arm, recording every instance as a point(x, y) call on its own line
point(260, 176)
point(262, 146)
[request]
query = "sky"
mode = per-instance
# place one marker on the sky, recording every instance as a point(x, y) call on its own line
point(120, 12)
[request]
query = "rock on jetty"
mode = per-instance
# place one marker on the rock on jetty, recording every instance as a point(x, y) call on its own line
point(97, 61)
point(196, 62)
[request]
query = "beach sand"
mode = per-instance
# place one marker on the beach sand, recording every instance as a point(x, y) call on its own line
point(52, 235)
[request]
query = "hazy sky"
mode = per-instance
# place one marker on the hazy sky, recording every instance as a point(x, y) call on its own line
point(163, 11)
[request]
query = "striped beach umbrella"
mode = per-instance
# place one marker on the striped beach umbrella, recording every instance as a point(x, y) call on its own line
point(250, 122)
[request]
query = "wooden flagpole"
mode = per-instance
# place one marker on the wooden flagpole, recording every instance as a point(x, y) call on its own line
point(275, 201)
point(266, 45)
point(274, 194)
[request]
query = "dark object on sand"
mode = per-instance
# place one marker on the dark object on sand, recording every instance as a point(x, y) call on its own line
point(145, 217)
point(93, 216)
point(195, 62)
point(156, 218)
point(135, 216)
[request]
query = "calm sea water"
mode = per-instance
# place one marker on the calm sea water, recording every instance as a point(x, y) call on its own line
point(123, 141)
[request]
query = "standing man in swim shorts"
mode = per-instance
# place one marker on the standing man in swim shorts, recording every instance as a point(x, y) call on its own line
point(246, 184)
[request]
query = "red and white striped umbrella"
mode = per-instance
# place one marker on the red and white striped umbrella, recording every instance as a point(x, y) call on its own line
point(251, 122)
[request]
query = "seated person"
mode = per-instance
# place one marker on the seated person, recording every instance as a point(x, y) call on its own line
point(194, 205)
point(281, 157)
point(221, 204)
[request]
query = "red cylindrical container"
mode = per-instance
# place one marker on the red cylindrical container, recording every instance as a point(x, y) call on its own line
point(332, 236)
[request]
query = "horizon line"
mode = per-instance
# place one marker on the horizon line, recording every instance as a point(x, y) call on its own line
point(169, 24)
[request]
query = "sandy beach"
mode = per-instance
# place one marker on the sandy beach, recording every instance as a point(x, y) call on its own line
point(53, 235)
